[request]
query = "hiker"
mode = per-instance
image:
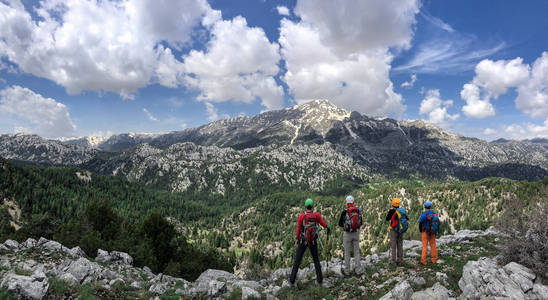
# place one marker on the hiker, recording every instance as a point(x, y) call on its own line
point(429, 225)
point(351, 221)
point(307, 236)
point(398, 226)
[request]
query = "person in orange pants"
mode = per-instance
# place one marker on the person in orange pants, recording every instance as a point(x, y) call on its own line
point(429, 225)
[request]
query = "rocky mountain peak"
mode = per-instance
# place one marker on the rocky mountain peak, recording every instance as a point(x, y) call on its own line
point(318, 115)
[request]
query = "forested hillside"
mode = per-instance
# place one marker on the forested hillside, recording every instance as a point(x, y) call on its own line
point(256, 228)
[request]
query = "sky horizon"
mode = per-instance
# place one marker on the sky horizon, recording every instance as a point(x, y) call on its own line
point(81, 68)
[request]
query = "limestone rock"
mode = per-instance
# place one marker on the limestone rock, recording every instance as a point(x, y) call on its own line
point(26, 287)
point(436, 292)
point(249, 292)
point(402, 291)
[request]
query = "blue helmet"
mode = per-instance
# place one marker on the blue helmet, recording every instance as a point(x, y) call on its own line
point(427, 204)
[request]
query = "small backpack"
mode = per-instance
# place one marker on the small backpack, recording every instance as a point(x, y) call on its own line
point(353, 219)
point(432, 223)
point(399, 221)
point(309, 230)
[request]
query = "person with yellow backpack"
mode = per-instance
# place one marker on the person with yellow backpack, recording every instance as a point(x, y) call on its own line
point(397, 216)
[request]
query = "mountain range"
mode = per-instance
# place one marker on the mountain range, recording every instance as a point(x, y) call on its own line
point(307, 146)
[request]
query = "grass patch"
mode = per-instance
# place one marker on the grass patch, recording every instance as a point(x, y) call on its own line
point(304, 291)
point(236, 294)
point(58, 288)
point(22, 272)
point(5, 295)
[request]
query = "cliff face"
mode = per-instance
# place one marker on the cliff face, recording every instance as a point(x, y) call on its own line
point(46, 269)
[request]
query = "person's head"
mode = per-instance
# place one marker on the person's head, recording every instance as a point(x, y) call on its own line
point(396, 202)
point(309, 203)
point(427, 205)
point(349, 201)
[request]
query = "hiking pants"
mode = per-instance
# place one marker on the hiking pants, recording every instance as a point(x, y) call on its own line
point(429, 239)
point(396, 247)
point(351, 240)
point(298, 258)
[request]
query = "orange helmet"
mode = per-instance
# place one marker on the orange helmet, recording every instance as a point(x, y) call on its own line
point(396, 202)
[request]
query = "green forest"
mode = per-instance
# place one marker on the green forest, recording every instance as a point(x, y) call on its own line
point(254, 226)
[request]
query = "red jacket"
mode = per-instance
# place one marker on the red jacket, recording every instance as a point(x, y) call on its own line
point(300, 222)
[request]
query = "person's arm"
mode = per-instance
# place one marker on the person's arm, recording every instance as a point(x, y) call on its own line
point(341, 219)
point(421, 219)
point(389, 215)
point(322, 222)
point(299, 224)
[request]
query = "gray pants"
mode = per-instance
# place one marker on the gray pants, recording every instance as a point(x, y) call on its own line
point(396, 247)
point(351, 240)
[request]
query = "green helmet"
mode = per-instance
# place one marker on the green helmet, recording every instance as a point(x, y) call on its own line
point(308, 202)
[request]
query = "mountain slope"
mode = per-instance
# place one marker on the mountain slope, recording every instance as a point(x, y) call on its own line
point(278, 145)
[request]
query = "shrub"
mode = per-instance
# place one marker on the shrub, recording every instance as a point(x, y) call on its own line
point(528, 237)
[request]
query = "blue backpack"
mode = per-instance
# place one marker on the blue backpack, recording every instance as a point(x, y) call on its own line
point(432, 224)
point(399, 221)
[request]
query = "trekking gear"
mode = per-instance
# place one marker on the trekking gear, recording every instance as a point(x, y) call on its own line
point(308, 202)
point(432, 224)
point(427, 204)
point(396, 202)
point(309, 231)
point(327, 246)
point(352, 219)
point(349, 199)
point(399, 221)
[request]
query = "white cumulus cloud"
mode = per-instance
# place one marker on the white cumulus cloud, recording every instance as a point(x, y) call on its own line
point(239, 64)
point(494, 78)
point(283, 10)
point(33, 113)
point(340, 51)
point(436, 108)
point(497, 76)
point(533, 94)
point(99, 45)
point(476, 107)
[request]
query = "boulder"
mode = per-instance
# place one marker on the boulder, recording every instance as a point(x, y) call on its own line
point(69, 278)
point(402, 291)
point(158, 288)
point(115, 257)
point(29, 243)
point(219, 275)
point(418, 280)
point(249, 292)
point(539, 292)
point(137, 285)
point(26, 287)
point(485, 279)
point(11, 245)
point(441, 277)
point(77, 252)
point(436, 292)
point(83, 270)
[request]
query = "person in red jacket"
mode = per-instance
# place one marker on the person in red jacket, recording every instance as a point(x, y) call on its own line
point(307, 236)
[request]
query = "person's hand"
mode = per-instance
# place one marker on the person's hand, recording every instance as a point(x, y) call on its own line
point(297, 242)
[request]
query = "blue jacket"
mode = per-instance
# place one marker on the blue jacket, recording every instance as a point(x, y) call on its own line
point(423, 219)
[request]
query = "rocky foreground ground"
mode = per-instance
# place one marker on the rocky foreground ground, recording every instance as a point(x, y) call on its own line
point(467, 269)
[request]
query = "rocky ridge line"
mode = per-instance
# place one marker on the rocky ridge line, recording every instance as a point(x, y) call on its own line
point(481, 279)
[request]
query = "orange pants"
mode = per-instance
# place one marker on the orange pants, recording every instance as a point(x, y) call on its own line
point(426, 239)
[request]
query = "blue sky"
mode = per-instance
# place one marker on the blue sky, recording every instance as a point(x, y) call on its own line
point(75, 68)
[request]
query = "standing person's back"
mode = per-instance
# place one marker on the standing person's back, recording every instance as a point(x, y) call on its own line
point(429, 226)
point(351, 221)
point(307, 235)
point(397, 217)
